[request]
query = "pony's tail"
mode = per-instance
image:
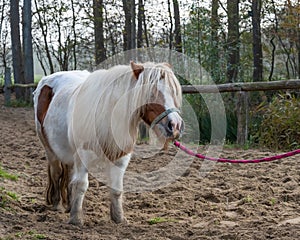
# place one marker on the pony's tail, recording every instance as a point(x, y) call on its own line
point(65, 186)
point(50, 188)
point(58, 189)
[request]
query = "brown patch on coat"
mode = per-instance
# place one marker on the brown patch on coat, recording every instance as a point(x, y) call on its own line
point(44, 100)
point(152, 110)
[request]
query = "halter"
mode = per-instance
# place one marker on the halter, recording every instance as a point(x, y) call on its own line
point(162, 115)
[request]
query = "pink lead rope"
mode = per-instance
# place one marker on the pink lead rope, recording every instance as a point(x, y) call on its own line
point(224, 160)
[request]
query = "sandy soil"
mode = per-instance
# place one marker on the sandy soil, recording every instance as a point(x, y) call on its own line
point(258, 201)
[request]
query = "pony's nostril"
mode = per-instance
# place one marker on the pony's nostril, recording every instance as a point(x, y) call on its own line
point(170, 126)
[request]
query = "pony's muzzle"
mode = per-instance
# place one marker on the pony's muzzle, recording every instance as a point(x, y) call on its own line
point(174, 129)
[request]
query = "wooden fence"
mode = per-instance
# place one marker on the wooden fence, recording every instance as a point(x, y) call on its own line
point(240, 88)
point(8, 87)
point(242, 98)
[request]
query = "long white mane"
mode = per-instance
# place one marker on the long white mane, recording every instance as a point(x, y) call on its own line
point(107, 107)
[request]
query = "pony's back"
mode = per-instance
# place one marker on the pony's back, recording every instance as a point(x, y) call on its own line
point(53, 106)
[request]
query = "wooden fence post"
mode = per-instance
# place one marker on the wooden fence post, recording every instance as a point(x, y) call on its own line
point(242, 117)
point(7, 86)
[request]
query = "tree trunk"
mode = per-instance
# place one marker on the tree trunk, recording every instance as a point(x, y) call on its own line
point(257, 46)
point(145, 29)
point(171, 25)
point(18, 68)
point(178, 40)
point(141, 13)
point(27, 49)
point(100, 53)
point(133, 25)
point(214, 58)
point(233, 40)
point(298, 36)
point(242, 118)
point(272, 58)
point(127, 33)
point(113, 43)
point(74, 45)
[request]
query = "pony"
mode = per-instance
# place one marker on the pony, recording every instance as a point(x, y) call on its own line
point(88, 119)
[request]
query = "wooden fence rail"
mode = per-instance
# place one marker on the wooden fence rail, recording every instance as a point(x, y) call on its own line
point(240, 88)
point(245, 87)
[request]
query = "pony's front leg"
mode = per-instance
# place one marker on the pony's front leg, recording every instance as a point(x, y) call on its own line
point(79, 186)
point(116, 175)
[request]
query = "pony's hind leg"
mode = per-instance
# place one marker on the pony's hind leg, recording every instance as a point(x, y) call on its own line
point(78, 186)
point(116, 175)
point(55, 172)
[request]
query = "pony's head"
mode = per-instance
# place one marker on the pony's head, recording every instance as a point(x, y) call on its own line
point(162, 96)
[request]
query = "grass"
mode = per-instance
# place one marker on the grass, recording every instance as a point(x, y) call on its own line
point(32, 233)
point(157, 220)
point(36, 235)
point(6, 197)
point(4, 174)
point(248, 199)
point(272, 201)
point(19, 103)
point(12, 195)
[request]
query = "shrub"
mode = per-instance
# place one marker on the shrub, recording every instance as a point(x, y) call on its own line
point(280, 127)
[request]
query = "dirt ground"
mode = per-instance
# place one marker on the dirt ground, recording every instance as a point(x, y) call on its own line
point(260, 201)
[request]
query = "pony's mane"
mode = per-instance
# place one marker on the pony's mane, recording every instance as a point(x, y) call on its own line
point(114, 98)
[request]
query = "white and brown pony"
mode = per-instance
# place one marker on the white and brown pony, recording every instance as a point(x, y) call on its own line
point(84, 119)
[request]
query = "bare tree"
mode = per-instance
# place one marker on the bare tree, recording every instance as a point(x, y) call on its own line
point(43, 28)
point(4, 34)
point(62, 33)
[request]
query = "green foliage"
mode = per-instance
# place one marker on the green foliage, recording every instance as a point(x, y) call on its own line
point(31, 234)
point(280, 127)
point(6, 175)
point(19, 103)
point(157, 220)
point(1, 80)
point(204, 118)
point(12, 195)
point(6, 197)
point(198, 43)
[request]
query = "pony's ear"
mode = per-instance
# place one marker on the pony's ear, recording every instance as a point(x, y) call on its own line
point(136, 69)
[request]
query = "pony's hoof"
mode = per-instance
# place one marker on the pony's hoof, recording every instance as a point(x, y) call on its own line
point(75, 221)
point(57, 208)
point(120, 221)
point(68, 210)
